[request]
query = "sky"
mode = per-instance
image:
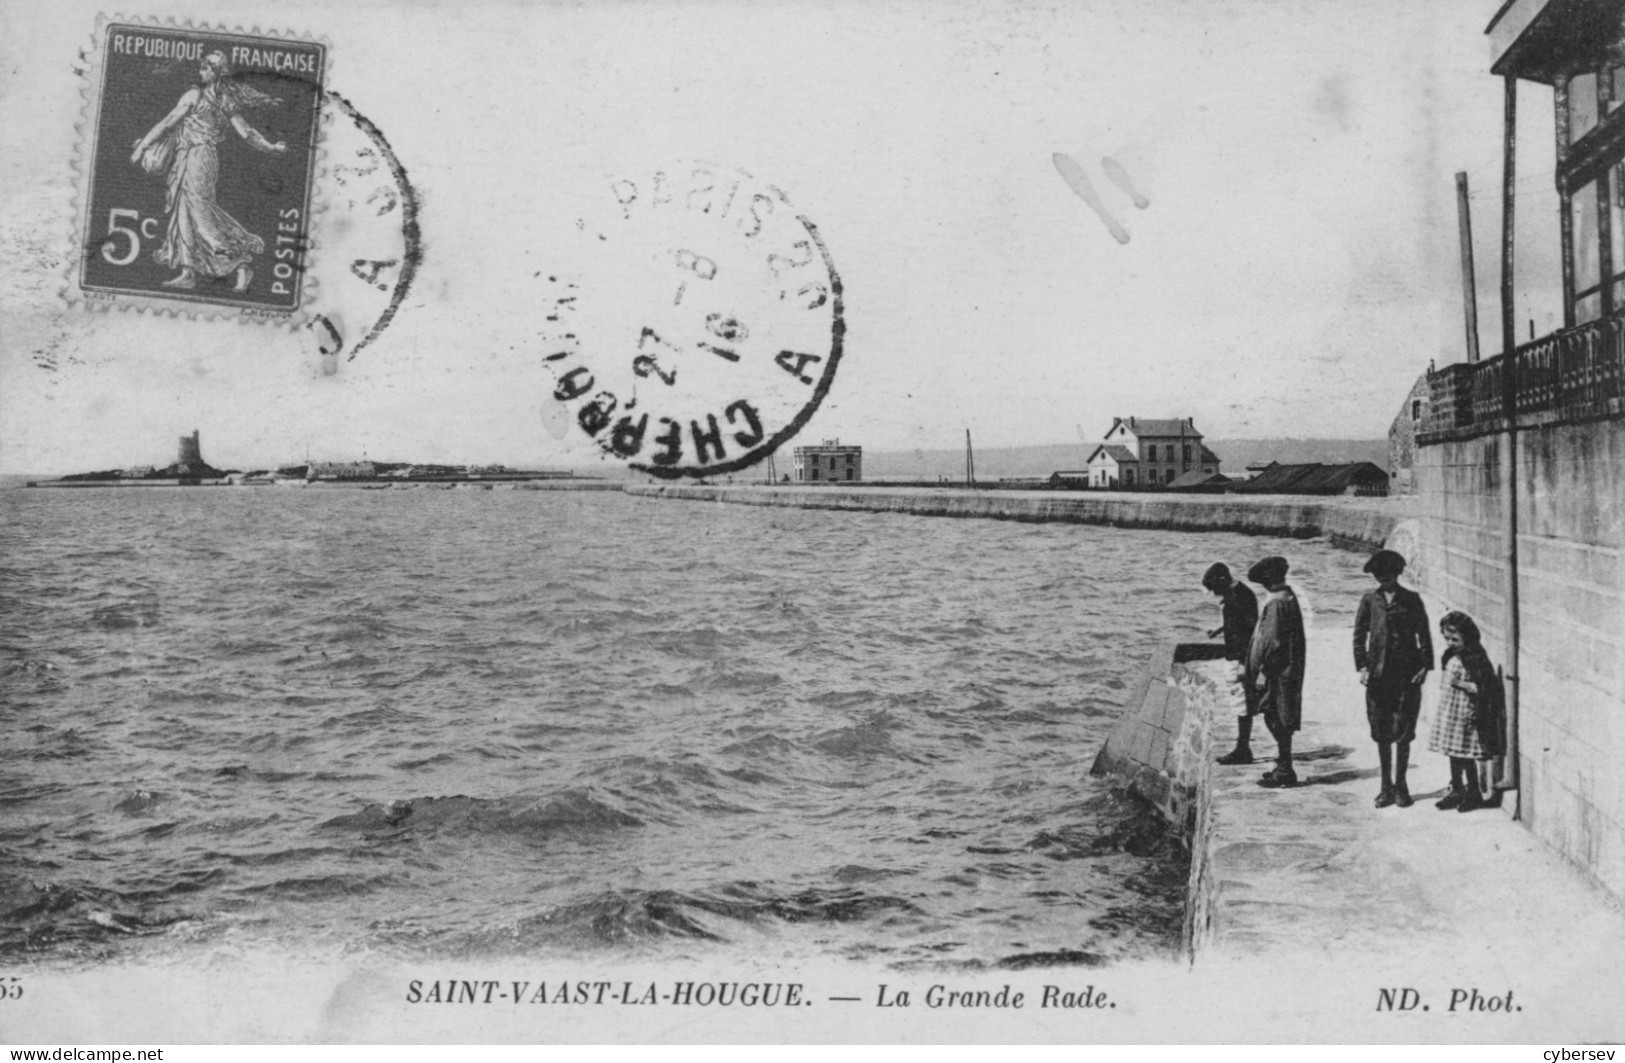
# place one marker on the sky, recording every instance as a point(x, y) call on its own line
point(1294, 267)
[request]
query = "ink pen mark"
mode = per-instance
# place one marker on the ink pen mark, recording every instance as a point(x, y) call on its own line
point(334, 337)
point(1079, 182)
point(1120, 178)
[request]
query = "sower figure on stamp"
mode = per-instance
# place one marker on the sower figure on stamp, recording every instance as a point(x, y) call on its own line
point(201, 237)
point(1393, 649)
point(1239, 610)
point(1275, 665)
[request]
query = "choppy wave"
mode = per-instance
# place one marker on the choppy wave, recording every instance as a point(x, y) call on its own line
point(468, 723)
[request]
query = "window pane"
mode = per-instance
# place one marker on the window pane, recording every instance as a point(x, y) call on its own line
point(1587, 268)
point(1618, 96)
point(1616, 218)
point(1582, 106)
point(1588, 308)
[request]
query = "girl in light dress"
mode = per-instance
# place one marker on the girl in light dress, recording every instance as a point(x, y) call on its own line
point(1469, 723)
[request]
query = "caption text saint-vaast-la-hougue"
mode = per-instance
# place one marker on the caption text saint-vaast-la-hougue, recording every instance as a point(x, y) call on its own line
point(743, 994)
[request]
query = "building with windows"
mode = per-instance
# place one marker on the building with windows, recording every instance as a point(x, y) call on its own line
point(1145, 452)
point(829, 462)
point(1519, 460)
point(1111, 465)
point(1402, 437)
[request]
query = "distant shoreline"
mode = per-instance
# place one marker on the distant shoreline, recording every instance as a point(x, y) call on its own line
point(1354, 522)
point(504, 483)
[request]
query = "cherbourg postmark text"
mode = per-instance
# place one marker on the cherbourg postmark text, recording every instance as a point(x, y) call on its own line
point(704, 325)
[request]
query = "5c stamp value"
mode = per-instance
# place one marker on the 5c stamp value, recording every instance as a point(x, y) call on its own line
point(199, 177)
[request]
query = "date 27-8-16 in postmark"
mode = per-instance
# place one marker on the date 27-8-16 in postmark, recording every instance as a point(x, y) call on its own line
point(198, 181)
point(703, 326)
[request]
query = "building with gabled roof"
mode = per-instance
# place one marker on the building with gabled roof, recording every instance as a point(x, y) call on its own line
point(1112, 465)
point(1149, 452)
point(1313, 478)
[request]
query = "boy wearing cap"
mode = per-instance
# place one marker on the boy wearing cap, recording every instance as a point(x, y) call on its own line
point(1240, 616)
point(1275, 665)
point(1393, 649)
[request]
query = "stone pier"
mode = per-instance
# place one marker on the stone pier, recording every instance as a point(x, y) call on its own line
point(1292, 884)
point(1357, 522)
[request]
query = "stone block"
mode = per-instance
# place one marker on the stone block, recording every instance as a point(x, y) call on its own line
point(1156, 698)
point(1158, 757)
point(1139, 744)
point(1565, 559)
point(1555, 641)
point(1173, 711)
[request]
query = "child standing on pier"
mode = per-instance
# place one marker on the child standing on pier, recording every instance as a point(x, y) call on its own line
point(1393, 649)
point(1469, 725)
point(1275, 666)
point(1239, 612)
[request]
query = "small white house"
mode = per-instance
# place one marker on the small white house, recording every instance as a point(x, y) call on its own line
point(1113, 465)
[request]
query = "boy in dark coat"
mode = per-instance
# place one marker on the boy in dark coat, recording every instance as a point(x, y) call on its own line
point(1393, 649)
point(1239, 609)
point(1275, 665)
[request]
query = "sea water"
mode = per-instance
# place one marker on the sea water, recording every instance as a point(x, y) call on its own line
point(469, 723)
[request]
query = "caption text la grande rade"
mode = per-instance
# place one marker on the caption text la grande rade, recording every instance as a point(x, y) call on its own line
point(740, 994)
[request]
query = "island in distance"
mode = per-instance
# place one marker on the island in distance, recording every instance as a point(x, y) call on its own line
point(189, 469)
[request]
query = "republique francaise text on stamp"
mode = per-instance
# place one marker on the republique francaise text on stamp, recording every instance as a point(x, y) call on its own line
point(198, 182)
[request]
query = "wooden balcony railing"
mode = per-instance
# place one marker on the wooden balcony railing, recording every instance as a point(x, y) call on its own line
point(1577, 374)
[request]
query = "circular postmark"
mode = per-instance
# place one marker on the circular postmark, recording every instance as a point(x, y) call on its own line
point(366, 240)
point(704, 325)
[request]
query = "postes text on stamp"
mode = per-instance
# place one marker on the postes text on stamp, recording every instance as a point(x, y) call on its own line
point(198, 178)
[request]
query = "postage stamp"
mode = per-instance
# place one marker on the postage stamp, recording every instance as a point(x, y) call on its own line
point(704, 327)
point(197, 185)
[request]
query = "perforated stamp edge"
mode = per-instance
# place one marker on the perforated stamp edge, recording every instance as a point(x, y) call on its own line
point(82, 164)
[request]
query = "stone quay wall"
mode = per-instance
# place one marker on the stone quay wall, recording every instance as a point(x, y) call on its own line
point(1161, 749)
point(1571, 523)
point(1355, 522)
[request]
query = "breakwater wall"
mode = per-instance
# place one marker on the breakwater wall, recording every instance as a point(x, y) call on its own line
point(1161, 750)
point(1356, 522)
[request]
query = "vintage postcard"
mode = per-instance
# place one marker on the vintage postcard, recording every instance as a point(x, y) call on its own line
point(475, 548)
